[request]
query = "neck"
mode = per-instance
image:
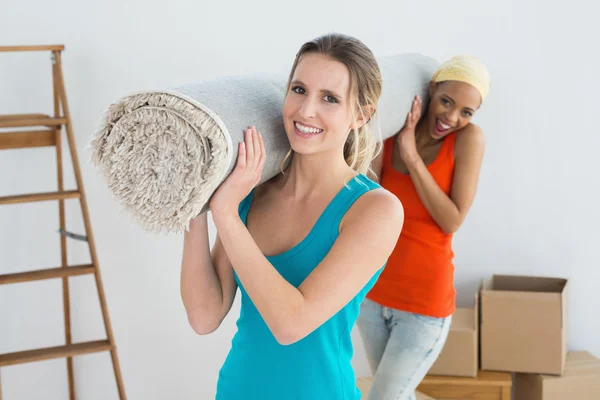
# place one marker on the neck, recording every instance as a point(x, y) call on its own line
point(315, 173)
point(422, 134)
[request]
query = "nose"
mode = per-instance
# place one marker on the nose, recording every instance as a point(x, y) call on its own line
point(308, 109)
point(452, 116)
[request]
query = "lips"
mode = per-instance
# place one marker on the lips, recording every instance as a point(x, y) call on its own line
point(305, 130)
point(441, 128)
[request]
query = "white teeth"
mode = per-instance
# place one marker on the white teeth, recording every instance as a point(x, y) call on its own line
point(305, 129)
point(444, 125)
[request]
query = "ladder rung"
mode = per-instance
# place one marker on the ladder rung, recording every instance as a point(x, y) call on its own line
point(27, 139)
point(49, 353)
point(44, 274)
point(31, 121)
point(34, 197)
point(6, 117)
point(51, 47)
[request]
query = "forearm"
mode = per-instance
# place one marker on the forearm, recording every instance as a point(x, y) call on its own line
point(201, 289)
point(278, 302)
point(439, 205)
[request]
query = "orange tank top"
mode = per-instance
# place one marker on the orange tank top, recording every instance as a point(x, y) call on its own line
point(419, 275)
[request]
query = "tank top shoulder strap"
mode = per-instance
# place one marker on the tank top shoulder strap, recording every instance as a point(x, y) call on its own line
point(388, 147)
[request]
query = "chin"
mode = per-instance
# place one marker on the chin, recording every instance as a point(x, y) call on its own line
point(303, 148)
point(438, 135)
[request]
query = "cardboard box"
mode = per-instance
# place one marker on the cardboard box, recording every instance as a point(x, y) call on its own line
point(524, 324)
point(460, 355)
point(580, 381)
point(423, 396)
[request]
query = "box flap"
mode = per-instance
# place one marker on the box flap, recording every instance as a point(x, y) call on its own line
point(565, 322)
point(463, 320)
point(487, 284)
point(522, 283)
point(476, 307)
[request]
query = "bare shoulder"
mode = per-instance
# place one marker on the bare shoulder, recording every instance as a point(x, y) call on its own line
point(469, 140)
point(470, 135)
point(377, 208)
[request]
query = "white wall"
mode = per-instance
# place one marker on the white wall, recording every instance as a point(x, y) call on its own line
point(535, 213)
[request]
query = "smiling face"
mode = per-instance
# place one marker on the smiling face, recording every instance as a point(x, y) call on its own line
point(317, 108)
point(451, 107)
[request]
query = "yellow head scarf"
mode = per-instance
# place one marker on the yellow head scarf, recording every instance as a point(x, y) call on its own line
point(466, 69)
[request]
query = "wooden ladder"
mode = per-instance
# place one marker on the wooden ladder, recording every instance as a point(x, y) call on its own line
point(50, 135)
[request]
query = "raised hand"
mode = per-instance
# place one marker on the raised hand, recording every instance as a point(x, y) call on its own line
point(244, 177)
point(406, 138)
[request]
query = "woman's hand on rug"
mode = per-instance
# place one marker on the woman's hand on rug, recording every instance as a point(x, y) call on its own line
point(406, 138)
point(244, 177)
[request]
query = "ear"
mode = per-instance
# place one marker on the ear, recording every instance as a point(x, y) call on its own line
point(366, 115)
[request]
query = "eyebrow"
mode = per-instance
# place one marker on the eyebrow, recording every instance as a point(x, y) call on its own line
point(323, 91)
point(452, 100)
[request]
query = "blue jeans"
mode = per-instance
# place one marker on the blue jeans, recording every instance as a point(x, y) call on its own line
point(401, 347)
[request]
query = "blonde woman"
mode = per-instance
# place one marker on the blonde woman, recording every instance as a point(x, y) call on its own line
point(305, 247)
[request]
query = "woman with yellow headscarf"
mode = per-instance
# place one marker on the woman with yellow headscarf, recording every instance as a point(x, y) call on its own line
point(432, 165)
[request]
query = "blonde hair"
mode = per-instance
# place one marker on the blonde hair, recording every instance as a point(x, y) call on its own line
point(365, 89)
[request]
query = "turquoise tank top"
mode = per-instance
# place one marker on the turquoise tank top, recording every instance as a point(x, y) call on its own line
point(318, 367)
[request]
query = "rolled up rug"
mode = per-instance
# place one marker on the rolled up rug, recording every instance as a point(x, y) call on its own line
point(163, 153)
